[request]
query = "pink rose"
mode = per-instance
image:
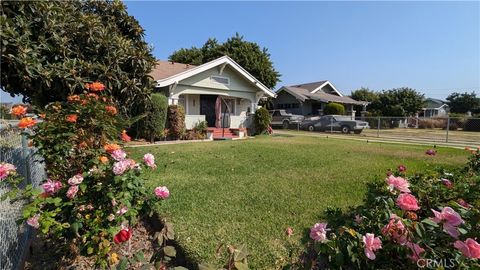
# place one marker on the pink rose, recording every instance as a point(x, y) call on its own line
point(122, 210)
point(416, 251)
point(402, 168)
point(118, 155)
point(470, 248)
point(319, 232)
point(431, 152)
point(120, 167)
point(51, 186)
point(6, 169)
point(464, 204)
point(33, 221)
point(450, 220)
point(399, 183)
point(72, 192)
point(149, 160)
point(447, 183)
point(162, 192)
point(372, 244)
point(407, 202)
point(396, 230)
point(75, 180)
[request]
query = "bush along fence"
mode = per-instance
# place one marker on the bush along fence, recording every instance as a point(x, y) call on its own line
point(93, 195)
point(429, 220)
point(24, 166)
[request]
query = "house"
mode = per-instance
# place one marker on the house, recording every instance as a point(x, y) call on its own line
point(220, 92)
point(435, 108)
point(311, 98)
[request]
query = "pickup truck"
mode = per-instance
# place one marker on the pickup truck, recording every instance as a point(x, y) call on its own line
point(340, 123)
point(284, 119)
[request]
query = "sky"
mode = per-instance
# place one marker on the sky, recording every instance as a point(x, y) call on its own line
point(433, 47)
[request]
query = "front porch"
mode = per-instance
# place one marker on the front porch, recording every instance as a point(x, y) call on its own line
point(229, 112)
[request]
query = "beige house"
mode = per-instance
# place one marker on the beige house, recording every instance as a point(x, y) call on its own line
point(220, 92)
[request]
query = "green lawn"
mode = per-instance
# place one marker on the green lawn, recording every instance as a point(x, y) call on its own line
point(250, 191)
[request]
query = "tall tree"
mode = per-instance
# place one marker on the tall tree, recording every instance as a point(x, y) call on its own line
point(462, 103)
point(51, 48)
point(402, 101)
point(249, 55)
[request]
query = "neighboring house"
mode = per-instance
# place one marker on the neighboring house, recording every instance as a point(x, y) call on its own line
point(435, 108)
point(210, 91)
point(311, 98)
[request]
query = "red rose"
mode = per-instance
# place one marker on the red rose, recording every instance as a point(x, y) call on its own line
point(122, 236)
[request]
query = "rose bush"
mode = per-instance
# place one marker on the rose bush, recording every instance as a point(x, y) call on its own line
point(427, 220)
point(94, 193)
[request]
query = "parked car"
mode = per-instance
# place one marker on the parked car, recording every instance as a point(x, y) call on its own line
point(340, 123)
point(284, 119)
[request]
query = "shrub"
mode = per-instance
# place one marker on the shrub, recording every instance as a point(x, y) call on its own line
point(94, 194)
point(428, 123)
point(262, 120)
point(405, 223)
point(334, 108)
point(152, 125)
point(176, 121)
point(200, 129)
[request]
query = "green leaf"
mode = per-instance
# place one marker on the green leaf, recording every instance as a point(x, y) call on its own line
point(241, 266)
point(170, 234)
point(430, 222)
point(206, 267)
point(170, 251)
point(180, 268)
point(339, 258)
point(140, 257)
point(462, 230)
point(122, 265)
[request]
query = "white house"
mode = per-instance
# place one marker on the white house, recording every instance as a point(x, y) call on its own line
point(435, 108)
point(220, 92)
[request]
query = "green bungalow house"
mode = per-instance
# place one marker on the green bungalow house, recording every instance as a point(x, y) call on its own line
point(220, 92)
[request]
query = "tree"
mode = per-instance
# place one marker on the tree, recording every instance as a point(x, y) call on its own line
point(402, 101)
point(51, 48)
point(249, 55)
point(462, 103)
point(365, 94)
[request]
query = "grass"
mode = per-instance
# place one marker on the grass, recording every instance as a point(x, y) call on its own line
point(250, 191)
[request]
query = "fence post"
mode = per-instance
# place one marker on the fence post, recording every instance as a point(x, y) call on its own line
point(448, 128)
point(378, 127)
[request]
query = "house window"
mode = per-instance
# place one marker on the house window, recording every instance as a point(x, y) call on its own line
point(220, 80)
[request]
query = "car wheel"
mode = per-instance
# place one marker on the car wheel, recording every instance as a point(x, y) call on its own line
point(357, 131)
point(285, 125)
point(345, 129)
point(311, 128)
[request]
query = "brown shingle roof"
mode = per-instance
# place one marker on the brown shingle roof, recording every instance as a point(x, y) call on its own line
point(303, 94)
point(165, 69)
point(310, 86)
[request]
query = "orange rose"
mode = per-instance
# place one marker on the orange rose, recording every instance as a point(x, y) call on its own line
point(125, 136)
point(103, 159)
point(111, 147)
point(111, 109)
point(19, 110)
point(96, 87)
point(72, 118)
point(73, 98)
point(26, 122)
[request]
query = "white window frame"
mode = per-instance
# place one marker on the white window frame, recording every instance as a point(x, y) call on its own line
point(220, 77)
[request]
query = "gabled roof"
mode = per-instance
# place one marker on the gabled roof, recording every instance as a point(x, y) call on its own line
point(303, 94)
point(177, 74)
point(165, 69)
point(315, 87)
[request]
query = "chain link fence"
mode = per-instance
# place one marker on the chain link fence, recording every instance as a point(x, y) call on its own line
point(464, 131)
point(14, 238)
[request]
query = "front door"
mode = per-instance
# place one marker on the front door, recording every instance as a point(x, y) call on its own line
point(207, 108)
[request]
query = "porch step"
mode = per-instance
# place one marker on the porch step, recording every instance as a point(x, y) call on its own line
point(222, 133)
